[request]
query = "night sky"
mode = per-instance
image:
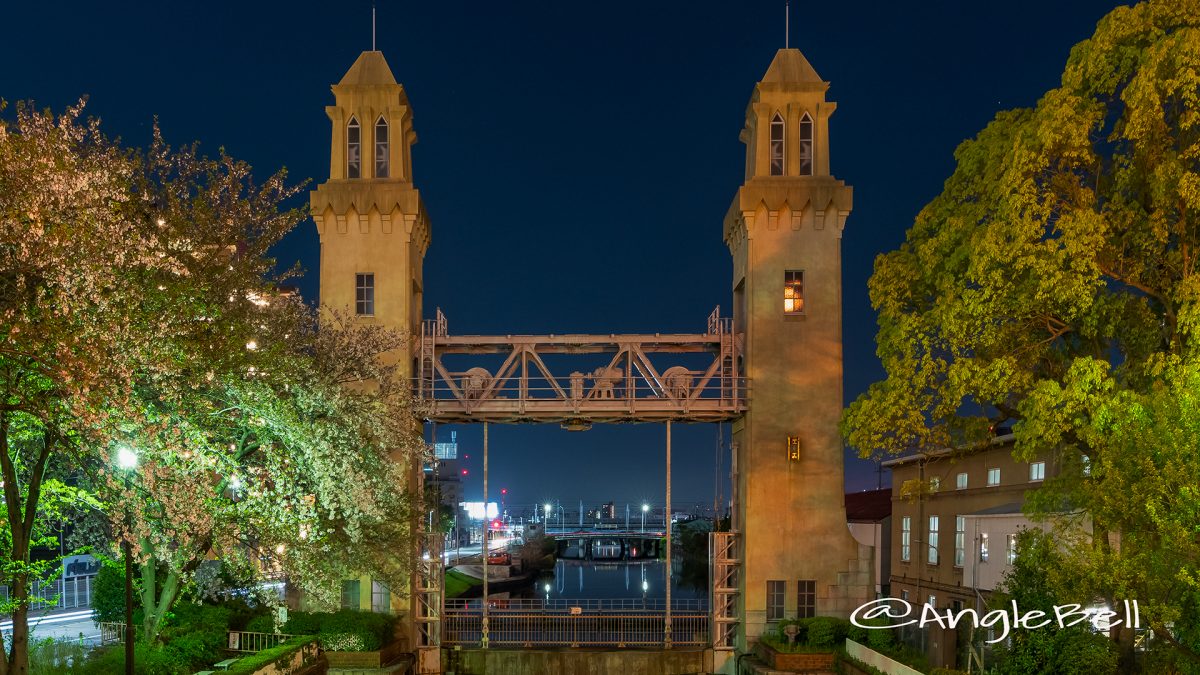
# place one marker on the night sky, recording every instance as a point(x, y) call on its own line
point(576, 159)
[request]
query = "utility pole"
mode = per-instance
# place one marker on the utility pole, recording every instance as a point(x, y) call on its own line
point(487, 526)
point(667, 623)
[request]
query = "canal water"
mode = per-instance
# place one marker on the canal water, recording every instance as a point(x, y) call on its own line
point(626, 580)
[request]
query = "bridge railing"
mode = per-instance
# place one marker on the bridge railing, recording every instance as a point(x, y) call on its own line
point(564, 629)
point(681, 605)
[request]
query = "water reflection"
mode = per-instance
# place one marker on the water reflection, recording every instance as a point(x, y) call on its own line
point(589, 579)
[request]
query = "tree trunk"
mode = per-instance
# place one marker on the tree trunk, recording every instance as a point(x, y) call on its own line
point(156, 604)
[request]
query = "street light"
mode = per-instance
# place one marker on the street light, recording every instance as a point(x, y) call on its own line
point(127, 459)
point(645, 508)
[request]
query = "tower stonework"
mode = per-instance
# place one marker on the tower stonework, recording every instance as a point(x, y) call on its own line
point(369, 215)
point(784, 231)
point(374, 234)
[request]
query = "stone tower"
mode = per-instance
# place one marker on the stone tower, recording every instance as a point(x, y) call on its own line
point(372, 224)
point(374, 233)
point(784, 231)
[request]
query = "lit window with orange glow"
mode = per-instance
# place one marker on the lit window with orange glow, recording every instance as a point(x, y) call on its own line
point(793, 292)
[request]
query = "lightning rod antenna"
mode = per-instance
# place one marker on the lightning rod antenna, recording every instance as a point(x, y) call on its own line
point(787, 20)
point(372, 26)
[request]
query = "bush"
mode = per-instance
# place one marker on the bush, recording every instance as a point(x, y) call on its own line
point(108, 592)
point(344, 630)
point(263, 623)
point(249, 664)
point(55, 657)
point(147, 660)
point(824, 631)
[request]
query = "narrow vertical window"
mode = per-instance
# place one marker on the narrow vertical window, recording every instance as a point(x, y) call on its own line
point(793, 292)
point(960, 540)
point(381, 598)
point(806, 598)
point(933, 540)
point(905, 538)
point(1011, 548)
point(993, 477)
point(350, 597)
point(961, 482)
point(364, 294)
point(806, 145)
point(353, 149)
point(775, 591)
point(983, 547)
point(777, 145)
point(381, 148)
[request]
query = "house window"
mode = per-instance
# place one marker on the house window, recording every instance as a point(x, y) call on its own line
point(1011, 548)
point(806, 145)
point(793, 292)
point(353, 149)
point(381, 148)
point(983, 547)
point(1087, 465)
point(904, 595)
point(935, 484)
point(350, 590)
point(905, 538)
point(806, 598)
point(933, 540)
point(932, 601)
point(993, 477)
point(960, 483)
point(777, 145)
point(381, 598)
point(960, 540)
point(1037, 471)
point(364, 294)
point(775, 591)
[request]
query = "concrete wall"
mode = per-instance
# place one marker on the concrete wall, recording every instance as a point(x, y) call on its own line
point(575, 662)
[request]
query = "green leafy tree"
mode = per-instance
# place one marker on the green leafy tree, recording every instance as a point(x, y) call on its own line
point(1054, 284)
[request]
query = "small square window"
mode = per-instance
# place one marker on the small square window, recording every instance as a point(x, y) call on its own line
point(960, 483)
point(381, 598)
point(793, 292)
point(932, 601)
point(806, 598)
point(993, 477)
point(364, 294)
point(904, 595)
point(1037, 471)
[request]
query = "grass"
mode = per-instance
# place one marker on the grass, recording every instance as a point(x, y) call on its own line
point(458, 583)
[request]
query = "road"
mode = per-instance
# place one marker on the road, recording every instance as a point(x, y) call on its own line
point(59, 625)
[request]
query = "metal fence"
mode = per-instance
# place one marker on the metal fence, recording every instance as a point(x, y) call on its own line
point(59, 593)
point(564, 629)
point(244, 641)
point(112, 632)
point(634, 605)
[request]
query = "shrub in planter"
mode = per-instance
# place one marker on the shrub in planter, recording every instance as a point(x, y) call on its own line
point(823, 632)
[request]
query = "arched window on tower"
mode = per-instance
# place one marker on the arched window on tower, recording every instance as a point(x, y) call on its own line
point(353, 149)
point(806, 145)
point(381, 148)
point(777, 145)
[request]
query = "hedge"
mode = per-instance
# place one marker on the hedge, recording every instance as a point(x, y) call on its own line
point(248, 664)
point(346, 630)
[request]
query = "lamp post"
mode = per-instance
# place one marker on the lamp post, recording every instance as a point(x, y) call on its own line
point(127, 459)
point(546, 508)
point(645, 508)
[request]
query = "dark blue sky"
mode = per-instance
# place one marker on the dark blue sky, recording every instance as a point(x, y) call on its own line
point(576, 158)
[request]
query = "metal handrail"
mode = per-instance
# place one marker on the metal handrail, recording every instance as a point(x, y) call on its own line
point(555, 605)
point(571, 630)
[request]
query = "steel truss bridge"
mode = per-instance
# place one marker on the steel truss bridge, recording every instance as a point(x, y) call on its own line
point(631, 387)
point(627, 386)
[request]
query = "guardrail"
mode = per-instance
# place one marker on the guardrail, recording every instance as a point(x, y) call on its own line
point(560, 629)
point(112, 632)
point(248, 642)
point(59, 593)
point(682, 605)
